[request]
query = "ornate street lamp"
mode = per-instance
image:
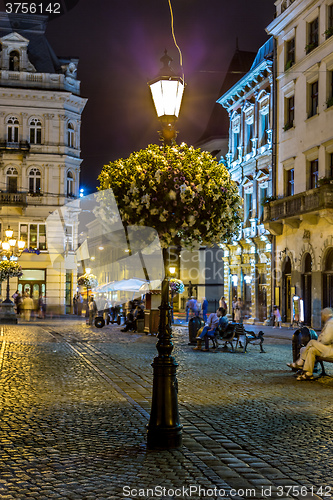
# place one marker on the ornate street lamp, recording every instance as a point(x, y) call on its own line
point(167, 92)
point(10, 250)
point(164, 428)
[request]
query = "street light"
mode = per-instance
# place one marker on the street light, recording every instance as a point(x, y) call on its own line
point(167, 92)
point(11, 249)
point(164, 428)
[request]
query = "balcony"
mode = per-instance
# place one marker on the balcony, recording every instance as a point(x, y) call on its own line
point(13, 198)
point(15, 146)
point(303, 206)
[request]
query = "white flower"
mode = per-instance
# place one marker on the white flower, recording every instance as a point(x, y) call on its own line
point(172, 195)
point(162, 218)
point(191, 220)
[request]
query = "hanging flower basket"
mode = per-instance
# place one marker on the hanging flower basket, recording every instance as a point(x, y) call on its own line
point(9, 269)
point(87, 280)
point(176, 286)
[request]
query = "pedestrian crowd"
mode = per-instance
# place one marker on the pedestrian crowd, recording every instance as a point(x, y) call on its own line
point(28, 306)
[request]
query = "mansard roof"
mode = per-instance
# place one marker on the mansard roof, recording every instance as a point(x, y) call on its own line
point(218, 123)
point(32, 27)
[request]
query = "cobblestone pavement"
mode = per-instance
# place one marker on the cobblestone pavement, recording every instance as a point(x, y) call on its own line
point(75, 401)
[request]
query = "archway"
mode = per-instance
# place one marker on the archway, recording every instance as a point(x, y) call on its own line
point(306, 288)
point(328, 279)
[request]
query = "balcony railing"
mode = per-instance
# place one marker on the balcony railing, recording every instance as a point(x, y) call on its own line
point(293, 206)
point(15, 146)
point(13, 198)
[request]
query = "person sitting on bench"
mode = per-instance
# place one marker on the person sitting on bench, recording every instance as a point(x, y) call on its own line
point(209, 329)
point(322, 347)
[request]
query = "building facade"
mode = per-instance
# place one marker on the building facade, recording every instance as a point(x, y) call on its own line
point(247, 260)
point(40, 120)
point(301, 216)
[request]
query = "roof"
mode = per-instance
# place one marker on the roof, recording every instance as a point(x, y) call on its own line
point(40, 53)
point(218, 123)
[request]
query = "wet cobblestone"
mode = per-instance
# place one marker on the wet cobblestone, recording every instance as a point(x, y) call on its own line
point(75, 400)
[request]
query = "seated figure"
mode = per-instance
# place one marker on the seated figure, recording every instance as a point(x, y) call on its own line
point(322, 347)
point(209, 329)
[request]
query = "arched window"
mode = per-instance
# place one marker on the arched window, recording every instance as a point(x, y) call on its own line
point(12, 129)
point(34, 181)
point(70, 135)
point(35, 127)
point(70, 184)
point(11, 180)
point(14, 61)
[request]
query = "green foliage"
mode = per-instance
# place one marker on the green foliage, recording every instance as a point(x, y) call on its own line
point(289, 64)
point(329, 32)
point(181, 192)
point(9, 269)
point(329, 102)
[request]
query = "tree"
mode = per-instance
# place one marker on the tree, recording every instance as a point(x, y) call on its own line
point(180, 191)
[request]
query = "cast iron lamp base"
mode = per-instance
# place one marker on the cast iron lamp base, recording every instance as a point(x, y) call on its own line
point(164, 428)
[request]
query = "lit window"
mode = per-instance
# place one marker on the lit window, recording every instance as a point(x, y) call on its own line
point(34, 235)
point(14, 61)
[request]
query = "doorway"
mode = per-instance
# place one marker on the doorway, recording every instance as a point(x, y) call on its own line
point(286, 277)
point(306, 289)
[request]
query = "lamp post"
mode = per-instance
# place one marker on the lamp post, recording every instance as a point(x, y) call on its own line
point(164, 428)
point(10, 250)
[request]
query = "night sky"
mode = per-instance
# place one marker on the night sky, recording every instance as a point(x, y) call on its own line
point(119, 44)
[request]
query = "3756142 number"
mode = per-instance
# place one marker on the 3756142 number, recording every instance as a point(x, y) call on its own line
point(32, 8)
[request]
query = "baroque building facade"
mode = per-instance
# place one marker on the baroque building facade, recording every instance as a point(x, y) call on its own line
point(301, 216)
point(40, 120)
point(247, 260)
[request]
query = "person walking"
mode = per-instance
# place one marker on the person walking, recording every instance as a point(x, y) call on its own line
point(27, 305)
point(79, 304)
point(92, 310)
point(238, 310)
point(277, 317)
point(75, 304)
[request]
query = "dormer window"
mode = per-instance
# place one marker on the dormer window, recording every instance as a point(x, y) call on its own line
point(12, 129)
point(14, 61)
